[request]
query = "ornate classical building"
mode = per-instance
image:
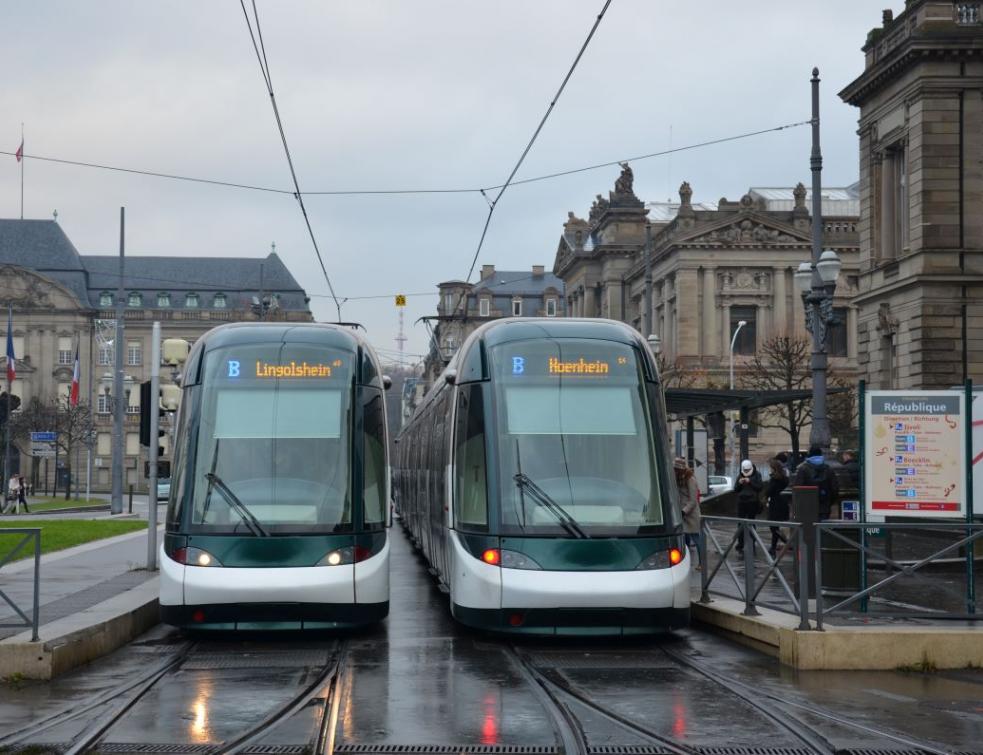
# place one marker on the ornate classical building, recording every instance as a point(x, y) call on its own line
point(920, 302)
point(499, 293)
point(709, 267)
point(61, 298)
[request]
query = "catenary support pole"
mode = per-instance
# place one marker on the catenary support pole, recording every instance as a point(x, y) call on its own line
point(116, 503)
point(154, 447)
point(819, 434)
point(970, 547)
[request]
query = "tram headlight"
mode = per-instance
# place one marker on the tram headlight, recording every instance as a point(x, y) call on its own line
point(662, 559)
point(347, 555)
point(192, 556)
point(515, 560)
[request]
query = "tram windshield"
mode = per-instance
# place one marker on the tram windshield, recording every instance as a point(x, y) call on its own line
point(272, 451)
point(575, 439)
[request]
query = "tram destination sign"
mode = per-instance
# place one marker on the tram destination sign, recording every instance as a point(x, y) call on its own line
point(916, 453)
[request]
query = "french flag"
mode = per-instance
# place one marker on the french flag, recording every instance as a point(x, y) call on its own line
point(11, 369)
point(73, 397)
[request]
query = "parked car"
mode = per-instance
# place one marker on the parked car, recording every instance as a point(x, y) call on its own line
point(719, 483)
point(163, 488)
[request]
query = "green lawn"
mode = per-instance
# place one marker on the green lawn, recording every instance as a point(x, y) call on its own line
point(64, 533)
point(48, 504)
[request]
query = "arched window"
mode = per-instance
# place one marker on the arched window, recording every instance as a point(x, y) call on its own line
point(106, 299)
point(219, 301)
point(135, 299)
point(191, 300)
point(163, 299)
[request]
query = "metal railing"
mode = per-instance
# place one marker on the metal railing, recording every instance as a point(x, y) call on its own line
point(29, 533)
point(897, 569)
point(804, 546)
point(746, 538)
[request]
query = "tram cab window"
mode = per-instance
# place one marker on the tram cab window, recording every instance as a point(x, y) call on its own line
point(273, 436)
point(574, 428)
point(471, 489)
point(374, 458)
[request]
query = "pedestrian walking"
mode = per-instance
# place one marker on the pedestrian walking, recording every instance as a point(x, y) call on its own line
point(10, 500)
point(22, 493)
point(689, 502)
point(778, 508)
point(815, 472)
point(748, 487)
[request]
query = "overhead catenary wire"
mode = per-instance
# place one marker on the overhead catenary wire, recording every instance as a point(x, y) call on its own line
point(268, 79)
point(411, 191)
point(492, 204)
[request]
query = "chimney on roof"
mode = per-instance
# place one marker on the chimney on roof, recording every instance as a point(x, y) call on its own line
point(487, 271)
point(538, 269)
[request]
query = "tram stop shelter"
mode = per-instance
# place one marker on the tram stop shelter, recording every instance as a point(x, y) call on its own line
point(685, 404)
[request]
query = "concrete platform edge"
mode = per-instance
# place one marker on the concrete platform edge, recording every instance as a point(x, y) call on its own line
point(71, 642)
point(867, 648)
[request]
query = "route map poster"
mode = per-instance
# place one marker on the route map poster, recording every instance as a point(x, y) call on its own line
point(916, 453)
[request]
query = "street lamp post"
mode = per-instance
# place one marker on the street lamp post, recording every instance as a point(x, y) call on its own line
point(817, 285)
point(733, 340)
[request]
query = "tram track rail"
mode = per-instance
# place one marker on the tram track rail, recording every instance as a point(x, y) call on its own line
point(556, 689)
point(122, 698)
point(806, 732)
point(143, 682)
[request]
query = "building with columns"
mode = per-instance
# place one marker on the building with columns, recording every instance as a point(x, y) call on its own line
point(61, 298)
point(920, 299)
point(708, 267)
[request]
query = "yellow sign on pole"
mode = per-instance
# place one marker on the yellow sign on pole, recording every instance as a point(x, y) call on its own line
point(400, 300)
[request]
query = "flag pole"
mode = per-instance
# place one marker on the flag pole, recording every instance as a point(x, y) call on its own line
point(10, 396)
point(22, 171)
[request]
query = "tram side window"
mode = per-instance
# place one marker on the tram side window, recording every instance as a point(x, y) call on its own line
point(374, 458)
point(472, 488)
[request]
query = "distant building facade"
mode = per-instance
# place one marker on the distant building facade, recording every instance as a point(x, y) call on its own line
point(61, 298)
point(499, 293)
point(711, 266)
point(920, 303)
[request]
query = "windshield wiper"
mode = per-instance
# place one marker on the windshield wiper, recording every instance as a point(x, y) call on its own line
point(251, 522)
point(541, 497)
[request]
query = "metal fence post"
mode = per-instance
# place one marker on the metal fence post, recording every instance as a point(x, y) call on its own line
point(802, 561)
point(701, 547)
point(749, 609)
point(818, 558)
point(131, 499)
point(37, 587)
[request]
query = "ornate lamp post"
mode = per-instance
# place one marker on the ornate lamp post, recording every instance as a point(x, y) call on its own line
point(817, 285)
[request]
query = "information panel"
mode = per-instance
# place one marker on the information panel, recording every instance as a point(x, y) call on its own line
point(916, 453)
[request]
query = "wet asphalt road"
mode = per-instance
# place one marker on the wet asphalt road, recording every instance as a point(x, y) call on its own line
point(419, 679)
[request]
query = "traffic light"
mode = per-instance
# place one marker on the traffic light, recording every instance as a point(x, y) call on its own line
point(14, 405)
point(149, 403)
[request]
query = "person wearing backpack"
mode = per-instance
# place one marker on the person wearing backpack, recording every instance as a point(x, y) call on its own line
point(815, 472)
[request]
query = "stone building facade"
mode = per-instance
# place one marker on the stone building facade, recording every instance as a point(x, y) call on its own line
point(711, 266)
point(61, 298)
point(463, 307)
point(920, 303)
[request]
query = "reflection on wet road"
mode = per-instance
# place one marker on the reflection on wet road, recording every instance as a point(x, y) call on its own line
point(420, 679)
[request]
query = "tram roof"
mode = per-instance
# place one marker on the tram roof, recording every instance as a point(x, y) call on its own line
point(238, 333)
point(523, 328)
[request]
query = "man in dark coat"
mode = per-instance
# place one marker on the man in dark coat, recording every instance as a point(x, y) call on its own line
point(748, 487)
point(815, 472)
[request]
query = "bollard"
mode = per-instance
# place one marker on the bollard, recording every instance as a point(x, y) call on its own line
point(131, 498)
point(749, 609)
point(802, 571)
point(805, 511)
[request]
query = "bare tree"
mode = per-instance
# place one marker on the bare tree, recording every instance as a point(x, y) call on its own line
point(676, 374)
point(73, 425)
point(782, 364)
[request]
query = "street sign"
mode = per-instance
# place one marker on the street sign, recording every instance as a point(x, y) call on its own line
point(400, 300)
point(916, 453)
point(43, 444)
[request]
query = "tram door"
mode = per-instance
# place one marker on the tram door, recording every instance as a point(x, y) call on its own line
point(438, 460)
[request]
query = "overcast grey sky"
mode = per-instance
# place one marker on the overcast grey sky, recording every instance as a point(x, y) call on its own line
point(421, 93)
